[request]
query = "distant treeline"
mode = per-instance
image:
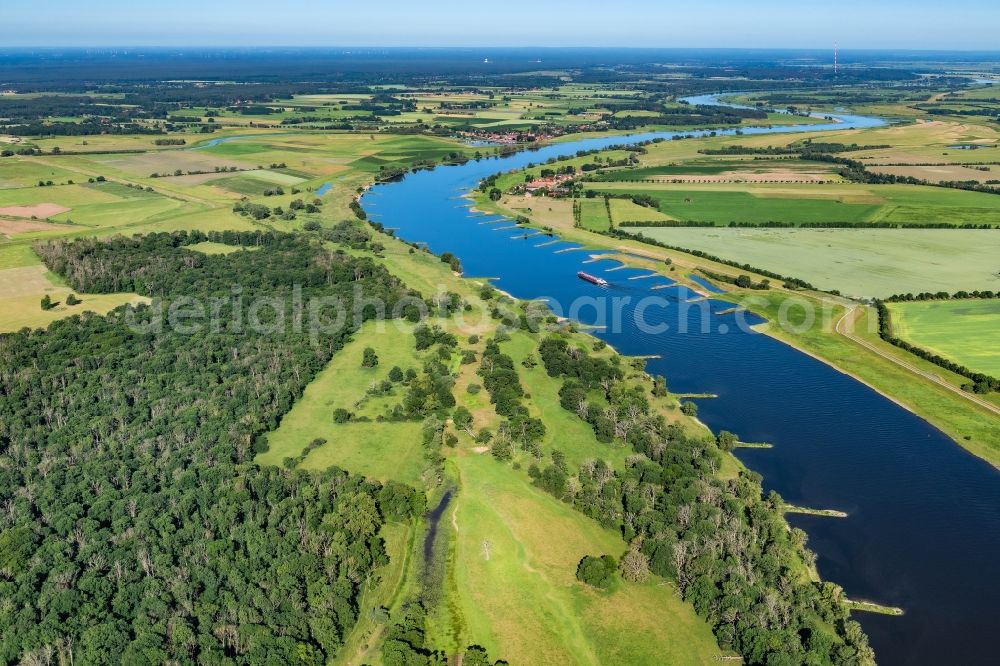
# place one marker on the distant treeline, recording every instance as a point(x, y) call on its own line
point(86, 127)
point(666, 223)
point(938, 111)
point(858, 172)
point(794, 149)
point(688, 115)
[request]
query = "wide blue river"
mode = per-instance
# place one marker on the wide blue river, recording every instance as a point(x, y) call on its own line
point(923, 525)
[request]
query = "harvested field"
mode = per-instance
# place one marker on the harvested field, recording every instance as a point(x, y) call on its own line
point(39, 210)
point(751, 176)
point(940, 173)
point(12, 227)
point(556, 213)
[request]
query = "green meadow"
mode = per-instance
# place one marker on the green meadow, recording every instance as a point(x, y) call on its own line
point(594, 214)
point(375, 449)
point(514, 560)
point(21, 291)
point(963, 331)
point(857, 262)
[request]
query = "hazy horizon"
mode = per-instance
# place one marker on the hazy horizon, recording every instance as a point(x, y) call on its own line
point(919, 25)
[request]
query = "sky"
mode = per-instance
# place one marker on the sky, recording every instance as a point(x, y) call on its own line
point(889, 24)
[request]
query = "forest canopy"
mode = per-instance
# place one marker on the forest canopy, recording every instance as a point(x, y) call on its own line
point(135, 527)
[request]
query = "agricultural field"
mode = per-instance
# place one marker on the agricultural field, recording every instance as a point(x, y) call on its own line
point(857, 262)
point(624, 211)
point(721, 170)
point(594, 215)
point(757, 204)
point(129, 200)
point(964, 331)
point(847, 203)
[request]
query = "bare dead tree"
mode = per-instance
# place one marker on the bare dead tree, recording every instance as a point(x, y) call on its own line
point(635, 565)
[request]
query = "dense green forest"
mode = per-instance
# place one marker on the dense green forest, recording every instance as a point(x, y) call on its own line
point(135, 527)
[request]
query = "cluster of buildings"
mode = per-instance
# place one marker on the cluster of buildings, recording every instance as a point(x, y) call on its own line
point(548, 185)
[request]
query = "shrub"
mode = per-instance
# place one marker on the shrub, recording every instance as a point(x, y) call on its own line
point(597, 572)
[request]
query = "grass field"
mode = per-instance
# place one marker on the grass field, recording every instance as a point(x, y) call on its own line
point(377, 450)
point(624, 210)
point(723, 207)
point(523, 600)
point(564, 430)
point(858, 262)
point(21, 291)
point(546, 211)
point(963, 331)
point(208, 247)
point(594, 215)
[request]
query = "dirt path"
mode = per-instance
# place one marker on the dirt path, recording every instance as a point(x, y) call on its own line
point(846, 322)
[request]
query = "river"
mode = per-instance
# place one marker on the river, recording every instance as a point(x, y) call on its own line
point(923, 525)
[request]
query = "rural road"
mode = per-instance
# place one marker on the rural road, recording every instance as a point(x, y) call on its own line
point(848, 318)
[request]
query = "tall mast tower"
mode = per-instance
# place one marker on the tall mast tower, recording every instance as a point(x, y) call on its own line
point(835, 59)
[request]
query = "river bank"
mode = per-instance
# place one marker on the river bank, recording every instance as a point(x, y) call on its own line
point(967, 424)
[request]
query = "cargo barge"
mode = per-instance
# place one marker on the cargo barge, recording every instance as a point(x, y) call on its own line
point(587, 277)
